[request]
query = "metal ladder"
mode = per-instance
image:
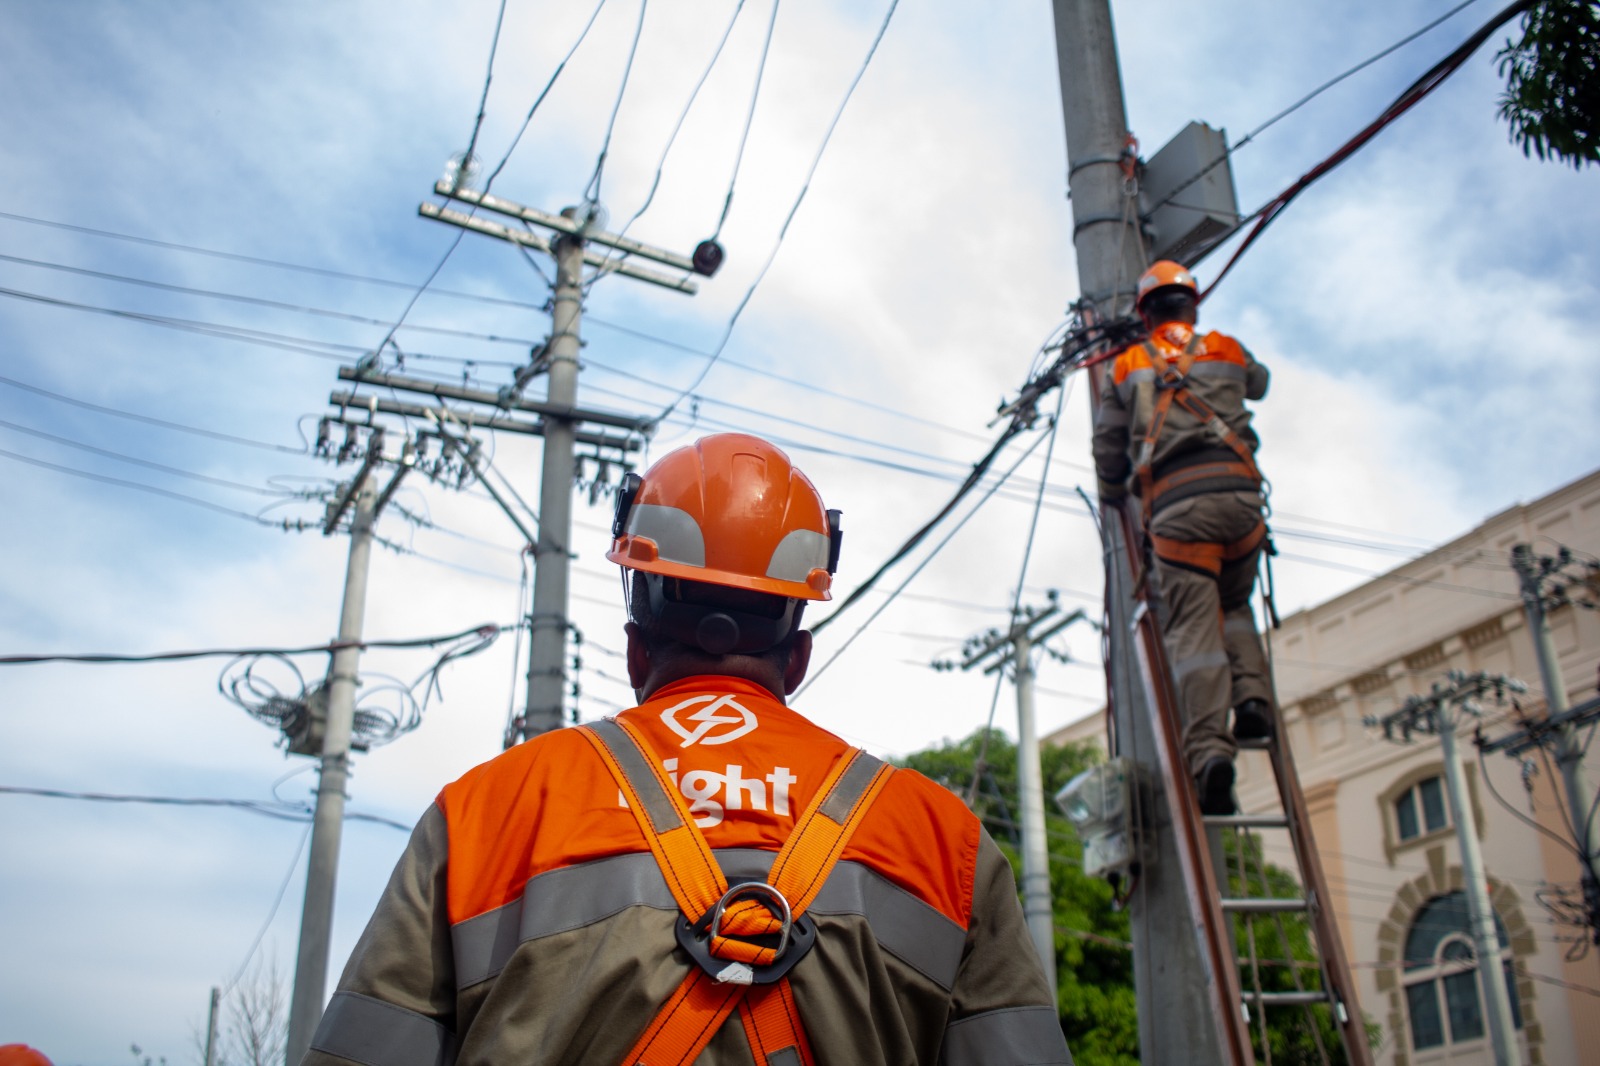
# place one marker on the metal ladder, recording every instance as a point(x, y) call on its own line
point(1200, 853)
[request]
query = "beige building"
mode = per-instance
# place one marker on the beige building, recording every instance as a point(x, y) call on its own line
point(1382, 823)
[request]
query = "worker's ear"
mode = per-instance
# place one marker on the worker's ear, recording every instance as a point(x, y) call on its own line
point(638, 657)
point(794, 671)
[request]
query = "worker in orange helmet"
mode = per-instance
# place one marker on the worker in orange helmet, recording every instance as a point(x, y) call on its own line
point(707, 877)
point(1172, 427)
point(21, 1055)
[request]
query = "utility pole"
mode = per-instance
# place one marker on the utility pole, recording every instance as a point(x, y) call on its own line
point(1177, 1021)
point(316, 918)
point(575, 229)
point(1437, 713)
point(211, 1027)
point(1545, 585)
point(1532, 572)
point(547, 638)
point(991, 651)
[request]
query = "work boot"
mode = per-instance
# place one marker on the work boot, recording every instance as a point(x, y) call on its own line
point(1252, 720)
point(1214, 783)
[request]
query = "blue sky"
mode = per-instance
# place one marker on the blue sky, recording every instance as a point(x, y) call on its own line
point(1425, 311)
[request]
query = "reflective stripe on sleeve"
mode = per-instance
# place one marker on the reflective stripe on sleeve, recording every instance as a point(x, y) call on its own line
point(375, 1033)
point(1016, 1036)
point(576, 896)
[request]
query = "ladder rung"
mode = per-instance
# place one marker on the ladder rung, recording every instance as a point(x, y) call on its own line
point(1247, 821)
point(1286, 999)
point(1263, 906)
point(1256, 744)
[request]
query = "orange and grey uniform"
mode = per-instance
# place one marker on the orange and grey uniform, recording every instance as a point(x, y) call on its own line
point(527, 921)
point(1200, 495)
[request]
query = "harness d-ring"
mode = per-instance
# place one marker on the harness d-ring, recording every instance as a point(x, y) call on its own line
point(755, 888)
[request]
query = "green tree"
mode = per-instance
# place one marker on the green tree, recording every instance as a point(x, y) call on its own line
point(1552, 97)
point(1094, 968)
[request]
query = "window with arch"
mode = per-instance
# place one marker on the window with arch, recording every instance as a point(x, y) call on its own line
point(1441, 976)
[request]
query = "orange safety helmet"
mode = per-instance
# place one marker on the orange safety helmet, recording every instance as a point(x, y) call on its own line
point(1165, 274)
point(729, 510)
point(21, 1055)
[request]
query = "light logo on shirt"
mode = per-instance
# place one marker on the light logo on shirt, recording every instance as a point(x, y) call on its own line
point(717, 711)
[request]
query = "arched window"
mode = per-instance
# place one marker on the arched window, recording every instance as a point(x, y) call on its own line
point(1441, 975)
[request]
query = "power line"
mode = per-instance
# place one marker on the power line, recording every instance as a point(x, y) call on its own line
point(283, 812)
point(272, 912)
point(258, 301)
point(915, 571)
point(148, 464)
point(142, 487)
point(483, 101)
point(483, 631)
point(1312, 95)
point(749, 120)
point(591, 192)
point(683, 116)
point(277, 264)
point(1431, 80)
point(784, 229)
point(304, 449)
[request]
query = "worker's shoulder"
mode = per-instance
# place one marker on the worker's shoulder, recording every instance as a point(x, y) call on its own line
point(932, 799)
point(556, 751)
point(1218, 345)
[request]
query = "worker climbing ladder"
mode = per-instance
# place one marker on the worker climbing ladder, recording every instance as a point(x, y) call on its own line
point(1178, 834)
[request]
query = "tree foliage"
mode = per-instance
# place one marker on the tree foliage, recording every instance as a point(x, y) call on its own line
point(1552, 97)
point(1094, 961)
point(1094, 968)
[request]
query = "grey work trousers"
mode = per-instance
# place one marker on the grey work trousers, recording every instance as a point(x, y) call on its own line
point(1216, 655)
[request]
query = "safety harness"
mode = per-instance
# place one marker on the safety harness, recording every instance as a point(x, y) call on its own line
point(1171, 384)
point(744, 938)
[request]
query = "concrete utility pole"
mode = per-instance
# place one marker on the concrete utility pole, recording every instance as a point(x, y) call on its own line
point(1531, 572)
point(1178, 1021)
point(1437, 713)
point(547, 679)
point(316, 919)
point(552, 555)
point(990, 649)
point(211, 1027)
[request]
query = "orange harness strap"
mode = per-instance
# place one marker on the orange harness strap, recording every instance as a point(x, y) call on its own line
point(742, 931)
point(1207, 557)
point(1172, 374)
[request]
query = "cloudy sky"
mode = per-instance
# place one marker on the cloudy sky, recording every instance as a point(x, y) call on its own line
point(209, 208)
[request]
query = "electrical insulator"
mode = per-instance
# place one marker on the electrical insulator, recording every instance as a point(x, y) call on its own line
point(708, 256)
point(349, 446)
point(324, 430)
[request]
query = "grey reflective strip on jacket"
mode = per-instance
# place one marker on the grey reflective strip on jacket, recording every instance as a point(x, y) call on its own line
point(576, 896)
point(1016, 1036)
point(370, 1031)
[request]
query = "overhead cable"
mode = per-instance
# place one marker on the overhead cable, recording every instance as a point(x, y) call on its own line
point(1312, 95)
point(1418, 89)
point(122, 457)
point(272, 912)
point(282, 811)
point(276, 264)
point(683, 116)
point(749, 120)
point(105, 479)
point(591, 192)
point(481, 632)
point(915, 571)
point(784, 229)
point(483, 101)
point(304, 449)
point(488, 182)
